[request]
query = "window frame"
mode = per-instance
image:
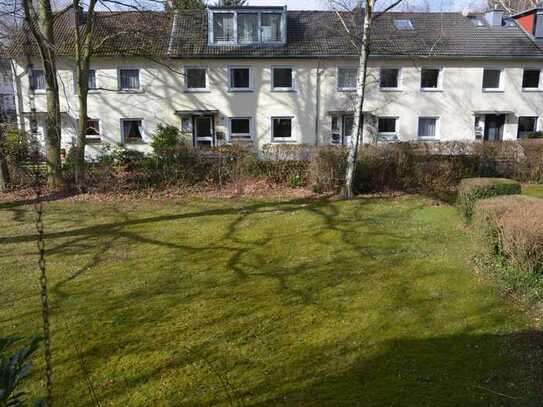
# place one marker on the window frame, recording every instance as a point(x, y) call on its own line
point(501, 86)
point(536, 127)
point(235, 89)
point(123, 136)
point(437, 135)
point(540, 84)
point(92, 138)
point(399, 79)
point(96, 85)
point(342, 88)
point(32, 81)
point(282, 139)
point(231, 135)
point(186, 87)
point(396, 132)
point(439, 87)
point(281, 88)
point(235, 41)
point(129, 90)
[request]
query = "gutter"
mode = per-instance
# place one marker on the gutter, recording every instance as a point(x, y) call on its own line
point(317, 105)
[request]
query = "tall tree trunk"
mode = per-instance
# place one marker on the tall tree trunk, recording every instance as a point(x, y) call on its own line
point(359, 108)
point(54, 164)
point(79, 156)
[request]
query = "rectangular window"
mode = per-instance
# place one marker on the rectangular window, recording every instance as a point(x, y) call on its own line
point(37, 80)
point(492, 79)
point(130, 79)
point(132, 131)
point(389, 78)
point(347, 78)
point(429, 78)
point(531, 79)
point(240, 128)
point(281, 128)
point(223, 27)
point(336, 130)
point(92, 134)
point(240, 78)
point(271, 27)
point(526, 125)
point(428, 128)
point(282, 78)
point(387, 128)
point(247, 28)
point(195, 78)
point(92, 80)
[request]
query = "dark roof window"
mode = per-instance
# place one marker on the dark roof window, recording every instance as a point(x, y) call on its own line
point(403, 25)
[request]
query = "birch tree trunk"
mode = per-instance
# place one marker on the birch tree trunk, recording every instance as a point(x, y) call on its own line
point(359, 107)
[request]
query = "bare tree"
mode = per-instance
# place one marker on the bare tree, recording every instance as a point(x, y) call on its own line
point(368, 11)
point(513, 6)
point(40, 24)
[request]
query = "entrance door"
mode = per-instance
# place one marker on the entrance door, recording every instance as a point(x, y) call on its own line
point(203, 131)
point(494, 127)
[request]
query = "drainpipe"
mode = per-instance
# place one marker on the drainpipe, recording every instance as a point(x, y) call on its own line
point(317, 106)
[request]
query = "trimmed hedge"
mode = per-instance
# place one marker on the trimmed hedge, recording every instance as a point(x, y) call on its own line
point(471, 190)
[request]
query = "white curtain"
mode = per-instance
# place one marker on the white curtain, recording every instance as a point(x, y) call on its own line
point(348, 78)
point(223, 27)
point(247, 28)
point(271, 27)
point(427, 128)
point(38, 79)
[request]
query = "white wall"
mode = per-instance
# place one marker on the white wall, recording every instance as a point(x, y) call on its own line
point(163, 93)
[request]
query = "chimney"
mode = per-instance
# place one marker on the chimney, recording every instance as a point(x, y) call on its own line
point(494, 18)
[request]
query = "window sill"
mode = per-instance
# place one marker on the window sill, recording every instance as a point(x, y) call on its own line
point(197, 91)
point(532, 90)
point(431, 89)
point(39, 91)
point(281, 141)
point(431, 139)
point(284, 90)
point(235, 90)
point(347, 90)
point(133, 91)
point(93, 91)
point(391, 89)
point(492, 90)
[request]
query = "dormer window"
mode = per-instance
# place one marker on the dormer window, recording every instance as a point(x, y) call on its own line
point(247, 25)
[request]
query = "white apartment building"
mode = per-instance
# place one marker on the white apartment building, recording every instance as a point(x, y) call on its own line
point(265, 75)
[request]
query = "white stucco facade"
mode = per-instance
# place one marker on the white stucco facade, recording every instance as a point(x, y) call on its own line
point(456, 103)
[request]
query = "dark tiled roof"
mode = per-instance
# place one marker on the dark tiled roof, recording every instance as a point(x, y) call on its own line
point(310, 34)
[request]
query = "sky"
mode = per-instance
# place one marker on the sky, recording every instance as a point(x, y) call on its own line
point(433, 5)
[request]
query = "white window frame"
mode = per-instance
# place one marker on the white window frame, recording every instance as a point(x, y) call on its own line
point(502, 74)
point(437, 136)
point(95, 81)
point(140, 79)
point(232, 137)
point(128, 119)
point(283, 139)
point(234, 89)
point(211, 33)
point(339, 120)
point(396, 132)
point(537, 124)
point(400, 74)
point(439, 87)
point(99, 136)
point(283, 89)
point(345, 89)
point(31, 81)
point(540, 85)
point(185, 80)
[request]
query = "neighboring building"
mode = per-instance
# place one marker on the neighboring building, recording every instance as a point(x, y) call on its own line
point(267, 75)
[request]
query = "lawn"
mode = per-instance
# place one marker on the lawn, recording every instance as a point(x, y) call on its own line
point(371, 302)
point(533, 190)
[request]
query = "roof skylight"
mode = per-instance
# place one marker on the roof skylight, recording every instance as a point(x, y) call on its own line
point(403, 25)
point(477, 21)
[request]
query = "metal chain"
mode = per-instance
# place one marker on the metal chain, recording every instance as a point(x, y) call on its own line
point(38, 208)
